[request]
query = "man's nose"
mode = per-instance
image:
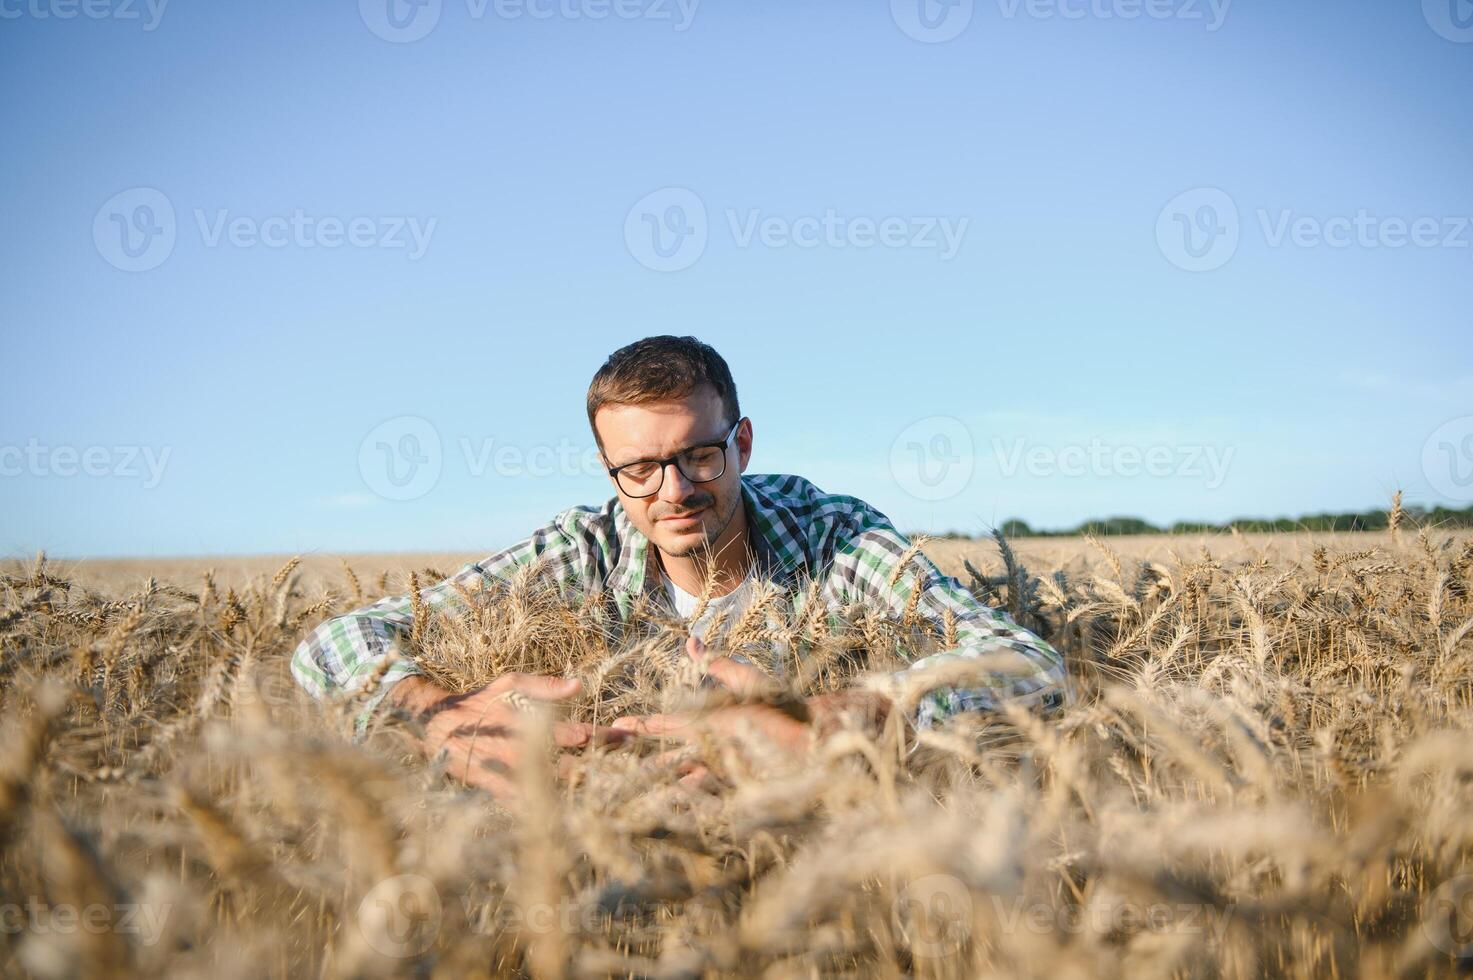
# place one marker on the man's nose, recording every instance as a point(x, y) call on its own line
point(675, 487)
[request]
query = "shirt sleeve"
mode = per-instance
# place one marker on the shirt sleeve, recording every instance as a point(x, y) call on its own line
point(339, 657)
point(1014, 664)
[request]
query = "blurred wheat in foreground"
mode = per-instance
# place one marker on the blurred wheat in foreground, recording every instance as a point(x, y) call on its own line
point(1267, 770)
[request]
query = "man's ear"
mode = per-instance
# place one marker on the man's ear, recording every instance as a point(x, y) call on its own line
point(744, 443)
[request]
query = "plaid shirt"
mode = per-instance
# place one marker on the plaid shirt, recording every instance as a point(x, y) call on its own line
point(797, 533)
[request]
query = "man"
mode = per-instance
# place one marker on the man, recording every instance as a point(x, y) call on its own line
point(665, 416)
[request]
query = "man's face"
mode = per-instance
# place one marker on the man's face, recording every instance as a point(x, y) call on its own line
point(683, 518)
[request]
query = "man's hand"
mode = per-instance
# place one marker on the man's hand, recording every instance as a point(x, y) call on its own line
point(826, 712)
point(479, 732)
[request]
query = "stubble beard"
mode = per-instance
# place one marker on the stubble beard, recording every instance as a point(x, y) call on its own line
point(711, 534)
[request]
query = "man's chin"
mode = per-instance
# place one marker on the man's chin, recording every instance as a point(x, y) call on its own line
point(681, 543)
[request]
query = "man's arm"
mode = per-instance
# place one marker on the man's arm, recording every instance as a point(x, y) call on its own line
point(866, 569)
point(339, 656)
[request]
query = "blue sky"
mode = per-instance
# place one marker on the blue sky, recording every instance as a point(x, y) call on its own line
point(1052, 259)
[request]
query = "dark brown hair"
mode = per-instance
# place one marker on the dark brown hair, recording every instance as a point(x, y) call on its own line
point(659, 369)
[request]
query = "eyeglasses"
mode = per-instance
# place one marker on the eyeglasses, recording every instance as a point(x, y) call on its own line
point(698, 464)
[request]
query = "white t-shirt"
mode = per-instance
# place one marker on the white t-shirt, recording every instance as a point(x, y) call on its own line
point(736, 600)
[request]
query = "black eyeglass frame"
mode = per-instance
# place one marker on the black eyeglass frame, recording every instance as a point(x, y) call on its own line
point(722, 445)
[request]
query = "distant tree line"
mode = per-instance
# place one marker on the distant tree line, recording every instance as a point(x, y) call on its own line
point(1369, 520)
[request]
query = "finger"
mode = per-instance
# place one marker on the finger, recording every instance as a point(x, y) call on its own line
point(743, 679)
point(699, 778)
point(761, 720)
point(576, 734)
point(671, 757)
point(537, 686)
point(604, 735)
point(678, 725)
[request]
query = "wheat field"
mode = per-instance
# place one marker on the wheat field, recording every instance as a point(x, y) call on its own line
point(1266, 770)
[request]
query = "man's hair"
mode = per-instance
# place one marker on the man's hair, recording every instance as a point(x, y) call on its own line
point(660, 369)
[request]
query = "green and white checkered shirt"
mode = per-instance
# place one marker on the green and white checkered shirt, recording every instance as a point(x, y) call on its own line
point(798, 533)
